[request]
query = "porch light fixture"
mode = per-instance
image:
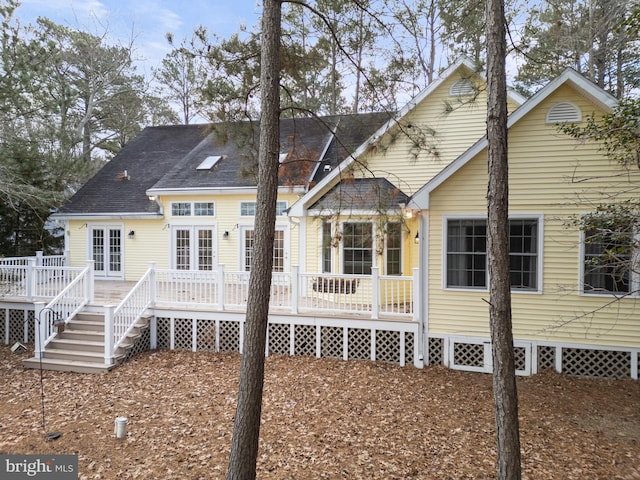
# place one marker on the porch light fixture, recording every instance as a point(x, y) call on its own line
point(416, 240)
point(132, 234)
point(152, 198)
point(225, 234)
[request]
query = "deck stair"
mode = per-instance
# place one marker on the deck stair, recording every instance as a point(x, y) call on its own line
point(80, 346)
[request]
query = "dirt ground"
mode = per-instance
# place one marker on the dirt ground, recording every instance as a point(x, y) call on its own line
point(322, 419)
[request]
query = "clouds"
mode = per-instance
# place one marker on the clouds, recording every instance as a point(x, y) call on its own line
point(145, 22)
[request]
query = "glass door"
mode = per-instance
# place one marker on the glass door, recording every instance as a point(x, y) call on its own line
point(106, 250)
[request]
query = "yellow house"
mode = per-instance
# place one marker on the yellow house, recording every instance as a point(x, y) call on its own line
point(356, 219)
point(567, 315)
point(380, 248)
point(184, 197)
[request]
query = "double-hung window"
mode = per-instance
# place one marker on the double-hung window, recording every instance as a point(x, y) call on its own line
point(357, 250)
point(607, 261)
point(466, 253)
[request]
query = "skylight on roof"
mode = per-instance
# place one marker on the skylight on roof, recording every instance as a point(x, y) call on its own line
point(209, 162)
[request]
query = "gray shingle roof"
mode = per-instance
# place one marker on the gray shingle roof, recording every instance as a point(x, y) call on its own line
point(145, 159)
point(370, 194)
point(166, 158)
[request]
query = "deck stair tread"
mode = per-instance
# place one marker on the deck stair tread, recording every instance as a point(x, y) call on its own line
point(67, 365)
point(79, 346)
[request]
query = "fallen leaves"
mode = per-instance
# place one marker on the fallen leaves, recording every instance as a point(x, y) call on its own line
point(322, 419)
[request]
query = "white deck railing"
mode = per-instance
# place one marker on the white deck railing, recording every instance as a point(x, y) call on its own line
point(33, 277)
point(71, 300)
point(121, 320)
point(372, 295)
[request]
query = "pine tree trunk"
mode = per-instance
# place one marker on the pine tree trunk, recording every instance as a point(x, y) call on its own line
point(504, 380)
point(244, 445)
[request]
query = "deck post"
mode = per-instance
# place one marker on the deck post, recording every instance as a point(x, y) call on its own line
point(31, 278)
point(417, 299)
point(295, 282)
point(109, 311)
point(152, 284)
point(221, 292)
point(153, 333)
point(39, 261)
point(40, 330)
point(90, 285)
point(375, 292)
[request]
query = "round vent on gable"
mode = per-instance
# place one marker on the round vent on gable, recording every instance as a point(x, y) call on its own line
point(564, 112)
point(462, 86)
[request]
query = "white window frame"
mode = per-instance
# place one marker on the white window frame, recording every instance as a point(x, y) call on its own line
point(634, 281)
point(283, 227)
point(106, 272)
point(540, 253)
point(402, 249)
point(281, 206)
point(193, 247)
point(192, 209)
point(374, 256)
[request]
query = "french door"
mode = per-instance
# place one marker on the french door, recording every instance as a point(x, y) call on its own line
point(280, 249)
point(106, 250)
point(193, 247)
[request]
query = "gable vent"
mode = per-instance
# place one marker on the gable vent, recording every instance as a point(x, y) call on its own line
point(564, 112)
point(461, 87)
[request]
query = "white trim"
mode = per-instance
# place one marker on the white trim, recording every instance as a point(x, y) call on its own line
point(539, 217)
point(106, 273)
point(193, 229)
point(327, 212)
point(564, 112)
point(209, 162)
point(299, 208)
point(634, 281)
point(420, 200)
point(105, 216)
point(218, 190)
point(279, 226)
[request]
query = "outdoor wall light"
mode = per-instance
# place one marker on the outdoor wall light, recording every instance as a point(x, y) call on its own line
point(132, 234)
point(416, 240)
point(225, 234)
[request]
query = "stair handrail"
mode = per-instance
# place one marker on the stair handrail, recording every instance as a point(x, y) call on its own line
point(61, 308)
point(121, 320)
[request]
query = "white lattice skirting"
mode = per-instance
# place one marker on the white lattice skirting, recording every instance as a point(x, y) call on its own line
point(393, 342)
point(474, 354)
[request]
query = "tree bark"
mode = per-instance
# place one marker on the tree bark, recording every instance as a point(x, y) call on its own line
point(244, 445)
point(504, 380)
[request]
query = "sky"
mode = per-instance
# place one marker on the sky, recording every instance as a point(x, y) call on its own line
point(147, 21)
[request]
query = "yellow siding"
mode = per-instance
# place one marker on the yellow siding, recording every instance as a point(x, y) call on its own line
point(457, 122)
point(553, 175)
point(314, 246)
point(152, 239)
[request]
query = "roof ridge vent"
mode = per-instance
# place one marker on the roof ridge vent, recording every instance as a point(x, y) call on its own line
point(564, 112)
